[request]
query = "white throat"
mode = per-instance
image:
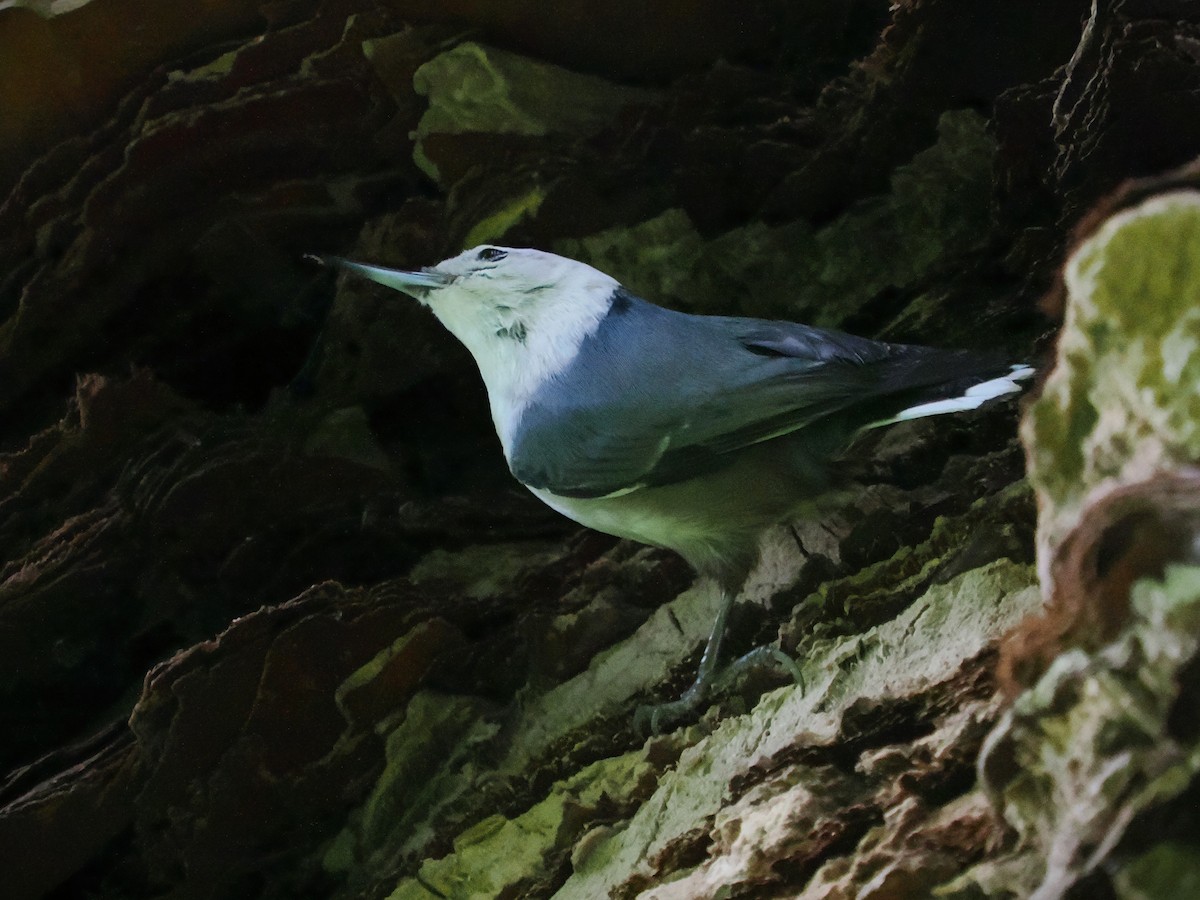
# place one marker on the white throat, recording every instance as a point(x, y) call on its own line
point(519, 345)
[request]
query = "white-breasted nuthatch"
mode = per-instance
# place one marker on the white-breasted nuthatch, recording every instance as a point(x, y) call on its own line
point(690, 432)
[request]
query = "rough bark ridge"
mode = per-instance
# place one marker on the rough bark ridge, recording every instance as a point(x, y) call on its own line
point(275, 621)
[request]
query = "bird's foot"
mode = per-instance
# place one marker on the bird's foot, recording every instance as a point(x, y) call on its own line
point(761, 657)
point(655, 718)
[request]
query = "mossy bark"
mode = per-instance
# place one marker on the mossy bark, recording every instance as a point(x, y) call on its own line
point(275, 621)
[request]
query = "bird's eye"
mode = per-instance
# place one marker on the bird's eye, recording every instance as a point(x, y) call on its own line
point(492, 254)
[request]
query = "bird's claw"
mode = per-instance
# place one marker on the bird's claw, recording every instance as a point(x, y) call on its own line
point(654, 718)
point(766, 656)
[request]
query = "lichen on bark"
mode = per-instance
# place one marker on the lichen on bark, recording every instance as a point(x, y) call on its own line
point(276, 621)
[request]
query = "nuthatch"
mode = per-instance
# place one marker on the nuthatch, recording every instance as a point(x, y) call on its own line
point(695, 433)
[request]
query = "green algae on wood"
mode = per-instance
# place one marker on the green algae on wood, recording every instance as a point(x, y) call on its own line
point(1090, 746)
point(497, 856)
point(1121, 402)
point(473, 88)
point(927, 643)
point(937, 208)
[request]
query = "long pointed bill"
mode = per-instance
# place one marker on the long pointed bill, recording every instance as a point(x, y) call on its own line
point(415, 284)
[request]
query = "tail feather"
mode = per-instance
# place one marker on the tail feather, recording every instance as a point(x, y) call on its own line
point(972, 398)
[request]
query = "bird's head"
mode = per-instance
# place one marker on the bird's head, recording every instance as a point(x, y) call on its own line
point(523, 314)
point(491, 297)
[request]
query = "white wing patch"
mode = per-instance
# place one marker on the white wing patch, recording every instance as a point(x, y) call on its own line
point(974, 397)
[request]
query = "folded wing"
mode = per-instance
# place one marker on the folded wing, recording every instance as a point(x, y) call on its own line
point(657, 397)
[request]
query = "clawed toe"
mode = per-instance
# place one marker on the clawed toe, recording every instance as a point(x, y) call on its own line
point(655, 718)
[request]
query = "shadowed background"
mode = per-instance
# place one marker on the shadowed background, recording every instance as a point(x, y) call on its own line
point(274, 619)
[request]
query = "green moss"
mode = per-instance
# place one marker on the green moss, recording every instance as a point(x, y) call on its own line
point(875, 592)
point(423, 757)
point(937, 208)
point(1092, 743)
point(508, 214)
point(474, 88)
point(1169, 871)
point(371, 669)
point(1121, 401)
point(497, 855)
point(937, 634)
point(483, 570)
point(341, 855)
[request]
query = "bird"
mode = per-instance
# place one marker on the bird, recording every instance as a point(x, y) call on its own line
point(690, 432)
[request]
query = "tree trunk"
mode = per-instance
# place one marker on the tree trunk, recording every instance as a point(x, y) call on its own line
point(275, 620)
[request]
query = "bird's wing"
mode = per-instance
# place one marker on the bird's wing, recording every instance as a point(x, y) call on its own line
point(653, 421)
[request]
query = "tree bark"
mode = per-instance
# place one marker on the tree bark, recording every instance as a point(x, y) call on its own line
point(275, 621)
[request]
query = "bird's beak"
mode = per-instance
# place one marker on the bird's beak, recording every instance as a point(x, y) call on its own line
point(415, 284)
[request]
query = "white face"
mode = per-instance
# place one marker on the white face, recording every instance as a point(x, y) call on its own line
point(500, 295)
point(523, 314)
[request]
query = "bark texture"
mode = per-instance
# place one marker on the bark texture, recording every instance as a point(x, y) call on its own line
point(276, 622)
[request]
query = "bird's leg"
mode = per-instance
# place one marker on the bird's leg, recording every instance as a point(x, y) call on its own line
point(712, 650)
point(662, 714)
